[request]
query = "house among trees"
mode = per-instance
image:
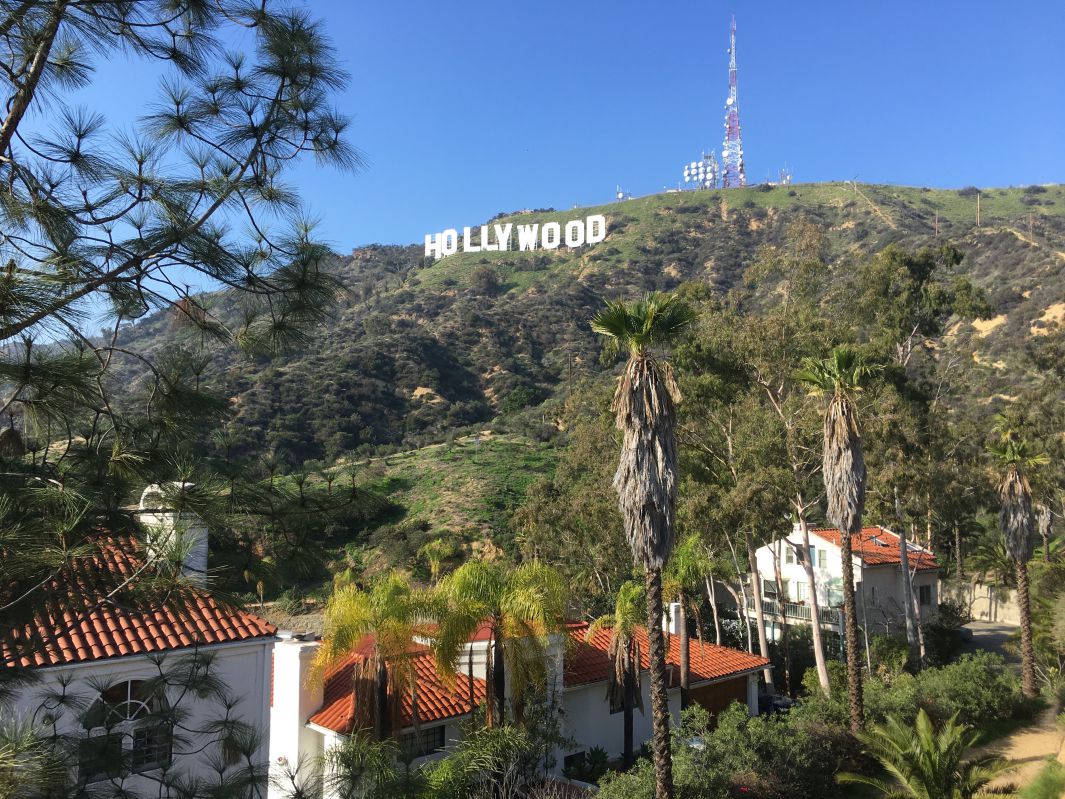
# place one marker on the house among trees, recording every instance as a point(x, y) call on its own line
point(308, 716)
point(878, 580)
point(137, 688)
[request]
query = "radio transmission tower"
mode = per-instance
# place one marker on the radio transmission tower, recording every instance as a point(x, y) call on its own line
point(733, 176)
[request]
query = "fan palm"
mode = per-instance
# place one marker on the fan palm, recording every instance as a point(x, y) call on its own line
point(838, 378)
point(623, 687)
point(923, 763)
point(521, 607)
point(644, 409)
point(380, 624)
point(1016, 520)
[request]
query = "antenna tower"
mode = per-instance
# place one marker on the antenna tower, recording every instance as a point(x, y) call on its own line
point(733, 176)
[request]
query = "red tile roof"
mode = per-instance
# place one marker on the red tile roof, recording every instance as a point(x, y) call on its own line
point(82, 616)
point(436, 701)
point(878, 546)
point(588, 661)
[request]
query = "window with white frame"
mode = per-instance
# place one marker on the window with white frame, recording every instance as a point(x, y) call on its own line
point(789, 554)
point(822, 558)
point(802, 592)
point(128, 731)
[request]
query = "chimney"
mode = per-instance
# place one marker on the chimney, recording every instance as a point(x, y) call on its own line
point(671, 617)
point(294, 699)
point(174, 531)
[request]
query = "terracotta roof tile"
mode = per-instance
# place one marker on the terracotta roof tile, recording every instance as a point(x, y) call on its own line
point(588, 661)
point(436, 701)
point(878, 546)
point(101, 626)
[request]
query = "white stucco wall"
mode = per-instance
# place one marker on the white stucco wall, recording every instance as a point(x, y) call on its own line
point(243, 667)
point(587, 719)
point(879, 588)
point(828, 576)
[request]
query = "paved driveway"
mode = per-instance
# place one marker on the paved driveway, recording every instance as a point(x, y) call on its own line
point(991, 636)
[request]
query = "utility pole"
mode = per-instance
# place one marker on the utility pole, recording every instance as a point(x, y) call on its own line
point(937, 224)
point(978, 209)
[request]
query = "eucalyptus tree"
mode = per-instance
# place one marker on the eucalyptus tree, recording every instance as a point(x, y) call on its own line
point(623, 683)
point(839, 378)
point(646, 479)
point(106, 220)
point(1015, 457)
point(739, 382)
point(520, 607)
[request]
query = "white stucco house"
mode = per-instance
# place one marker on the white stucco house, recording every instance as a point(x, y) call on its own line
point(878, 579)
point(308, 719)
point(112, 675)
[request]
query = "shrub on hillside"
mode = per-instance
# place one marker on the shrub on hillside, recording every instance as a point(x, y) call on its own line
point(766, 757)
point(978, 687)
point(942, 634)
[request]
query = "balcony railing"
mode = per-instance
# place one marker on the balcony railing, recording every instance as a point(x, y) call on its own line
point(793, 610)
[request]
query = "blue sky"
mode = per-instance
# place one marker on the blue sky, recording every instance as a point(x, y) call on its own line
point(465, 109)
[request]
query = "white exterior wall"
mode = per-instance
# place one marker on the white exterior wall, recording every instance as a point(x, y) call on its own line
point(587, 719)
point(829, 576)
point(243, 667)
point(880, 597)
point(295, 699)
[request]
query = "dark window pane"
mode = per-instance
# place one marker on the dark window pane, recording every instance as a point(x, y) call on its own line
point(100, 757)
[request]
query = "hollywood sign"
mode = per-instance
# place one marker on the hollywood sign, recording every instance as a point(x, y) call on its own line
point(535, 236)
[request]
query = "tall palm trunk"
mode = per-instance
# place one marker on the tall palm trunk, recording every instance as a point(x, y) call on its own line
point(781, 602)
point(685, 653)
point(382, 714)
point(656, 639)
point(815, 623)
point(499, 681)
point(627, 707)
point(1028, 686)
point(759, 612)
point(850, 634)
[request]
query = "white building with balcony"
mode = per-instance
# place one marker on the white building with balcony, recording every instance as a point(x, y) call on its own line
point(879, 586)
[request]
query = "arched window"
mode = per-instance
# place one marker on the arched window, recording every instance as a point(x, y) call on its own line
point(128, 732)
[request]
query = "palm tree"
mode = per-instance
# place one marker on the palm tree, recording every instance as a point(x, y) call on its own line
point(689, 568)
point(435, 552)
point(646, 478)
point(623, 688)
point(520, 607)
point(380, 624)
point(924, 763)
point(839, 377)
point(1016, 520)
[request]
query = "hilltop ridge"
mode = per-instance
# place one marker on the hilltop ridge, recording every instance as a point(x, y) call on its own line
point(420, 349)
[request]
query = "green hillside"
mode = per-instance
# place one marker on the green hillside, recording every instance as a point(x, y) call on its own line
point(421, 350)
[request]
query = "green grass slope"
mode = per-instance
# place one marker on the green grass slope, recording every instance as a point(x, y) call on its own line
point(420, 351)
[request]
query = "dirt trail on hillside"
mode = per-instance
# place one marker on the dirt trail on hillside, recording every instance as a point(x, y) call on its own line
point(1034, 242)
point(874, 206)
point(1028, 749)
